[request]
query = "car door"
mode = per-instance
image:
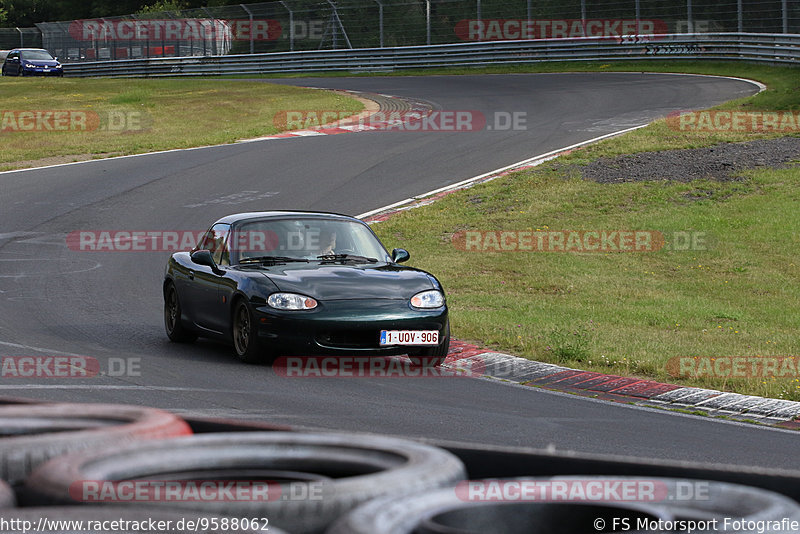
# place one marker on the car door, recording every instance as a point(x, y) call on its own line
point(11, 65)
point(217, 311)
point(202, 290)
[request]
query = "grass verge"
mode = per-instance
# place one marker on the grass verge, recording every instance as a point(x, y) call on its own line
point(130, 116)
point(629, 313)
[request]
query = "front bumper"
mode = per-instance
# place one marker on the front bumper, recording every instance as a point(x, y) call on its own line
point(40, 71)
point(348, 327)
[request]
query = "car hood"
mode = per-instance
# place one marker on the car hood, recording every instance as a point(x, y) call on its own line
point(350, 282)
point(41, 62)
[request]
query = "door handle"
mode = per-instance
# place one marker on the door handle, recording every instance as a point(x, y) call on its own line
point(191, 275)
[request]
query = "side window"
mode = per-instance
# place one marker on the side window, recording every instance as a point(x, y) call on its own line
point(215, 240)
point(13, 55)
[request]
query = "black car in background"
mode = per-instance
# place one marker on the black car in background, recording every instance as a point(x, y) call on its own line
point(304, 283)
point(31, 62)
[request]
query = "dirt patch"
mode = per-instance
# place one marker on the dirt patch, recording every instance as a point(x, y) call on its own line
point(720, 162)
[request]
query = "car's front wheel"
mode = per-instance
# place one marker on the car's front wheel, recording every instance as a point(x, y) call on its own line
point(432, 356)
point(245, 339)
point(172, 317)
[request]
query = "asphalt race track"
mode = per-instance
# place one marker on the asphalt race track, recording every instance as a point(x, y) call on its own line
point(56, 301)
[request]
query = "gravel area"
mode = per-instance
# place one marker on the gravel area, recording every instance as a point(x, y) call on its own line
point(719, 162)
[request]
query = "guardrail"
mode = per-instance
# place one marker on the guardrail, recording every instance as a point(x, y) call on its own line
point(773, 48)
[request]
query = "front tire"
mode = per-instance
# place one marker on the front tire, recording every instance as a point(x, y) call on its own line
point(172, 317)
point(245, 338)
point(432, 356)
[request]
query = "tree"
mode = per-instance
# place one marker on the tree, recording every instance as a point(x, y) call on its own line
point(163, 5)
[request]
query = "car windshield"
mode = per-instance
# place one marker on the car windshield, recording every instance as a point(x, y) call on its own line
point(36, 55)
point(306, 239)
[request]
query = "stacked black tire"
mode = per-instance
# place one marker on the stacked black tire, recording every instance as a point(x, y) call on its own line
point(362, 484)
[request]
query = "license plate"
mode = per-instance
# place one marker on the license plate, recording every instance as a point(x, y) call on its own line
point(409, 337)
point(46, 70)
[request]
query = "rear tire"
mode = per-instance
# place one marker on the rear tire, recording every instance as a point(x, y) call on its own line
point(245, 337)
point(172, 317)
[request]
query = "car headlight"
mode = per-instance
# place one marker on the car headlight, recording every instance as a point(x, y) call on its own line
point(29, 66)
point(431, 298)
point(291, 301)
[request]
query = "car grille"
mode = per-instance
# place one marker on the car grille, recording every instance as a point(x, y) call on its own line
point(349, 339)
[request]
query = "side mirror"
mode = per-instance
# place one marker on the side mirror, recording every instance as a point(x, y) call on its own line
point(204, 257)
point(399, 255)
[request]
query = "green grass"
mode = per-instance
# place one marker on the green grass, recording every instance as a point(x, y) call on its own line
point(157, 114)
point(628, 313)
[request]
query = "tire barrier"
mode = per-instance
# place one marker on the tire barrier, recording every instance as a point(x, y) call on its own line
point(30, 434)
point(441, 512)
point(452, 511)
point(705, 499)
point(120, 520)
point(316, 478)
point(7, 498)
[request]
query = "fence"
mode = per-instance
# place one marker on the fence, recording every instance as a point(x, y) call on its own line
point(20, 37)
point(773, 48)
point(305, 25)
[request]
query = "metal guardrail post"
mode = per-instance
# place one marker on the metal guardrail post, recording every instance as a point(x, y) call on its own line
point(478, 13)
point(785, 10)
point(428, 22)
point(163, 41)
point(739, 17)
point(380, 19)
point(21, 42)
point(291, 24)
point(250, 14)
point(97, 44)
